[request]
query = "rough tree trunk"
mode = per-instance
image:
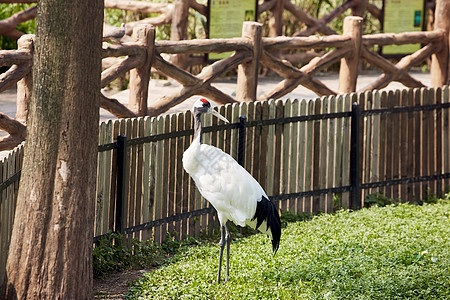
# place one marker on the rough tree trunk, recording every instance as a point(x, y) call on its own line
point(50, 255)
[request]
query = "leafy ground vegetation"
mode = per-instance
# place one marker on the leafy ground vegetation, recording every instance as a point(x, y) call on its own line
point(399, 251)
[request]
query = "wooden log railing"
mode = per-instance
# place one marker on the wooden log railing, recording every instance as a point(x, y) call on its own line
point(143, 55)
point(177, 13)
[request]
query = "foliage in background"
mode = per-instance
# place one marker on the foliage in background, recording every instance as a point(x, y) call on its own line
point(115, 254)
point(7, 10)
point(394, 252)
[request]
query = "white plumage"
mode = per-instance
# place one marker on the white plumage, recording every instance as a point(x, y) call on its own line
point(231, 190)
point(223, 182)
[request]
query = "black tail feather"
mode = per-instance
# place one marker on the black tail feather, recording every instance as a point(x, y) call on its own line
point(266, 211)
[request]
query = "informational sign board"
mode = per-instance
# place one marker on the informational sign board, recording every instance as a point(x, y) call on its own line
point(226, 18)
point(402, 16)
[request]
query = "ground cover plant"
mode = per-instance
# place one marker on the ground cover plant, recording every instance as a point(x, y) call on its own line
point(399, 251)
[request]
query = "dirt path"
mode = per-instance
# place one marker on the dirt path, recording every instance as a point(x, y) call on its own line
point(115, 286)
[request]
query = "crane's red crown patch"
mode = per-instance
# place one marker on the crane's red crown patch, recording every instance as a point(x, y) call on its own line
point(204, 100)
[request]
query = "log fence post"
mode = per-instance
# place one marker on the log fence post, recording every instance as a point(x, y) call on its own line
point(247, 79)
point(440, 61)
point(24, 85)
point(348, 72)
point(140, 76)
point(359, 8)
point(179, 30)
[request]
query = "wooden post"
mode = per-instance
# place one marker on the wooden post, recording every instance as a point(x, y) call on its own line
point(140, 76)
point(179, 30)
point(348, 72)
point(276, 25)
point(359, 8)
point(24, 86)
point(440, 65)
point(276, 19)
point(247, 79)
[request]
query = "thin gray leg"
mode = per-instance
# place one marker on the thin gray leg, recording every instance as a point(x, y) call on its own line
point(222, 247)
point(228, 239)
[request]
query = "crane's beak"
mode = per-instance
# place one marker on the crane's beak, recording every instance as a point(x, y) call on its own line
point(215, 113)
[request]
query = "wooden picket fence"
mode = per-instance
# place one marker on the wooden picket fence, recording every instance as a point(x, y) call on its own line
point(299, 151)
point(309, 156)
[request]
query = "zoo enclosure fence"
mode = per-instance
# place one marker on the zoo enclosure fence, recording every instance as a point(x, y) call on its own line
point(309, 156)
point(144, 56)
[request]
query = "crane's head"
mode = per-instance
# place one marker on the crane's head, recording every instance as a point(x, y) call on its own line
point(203, 106)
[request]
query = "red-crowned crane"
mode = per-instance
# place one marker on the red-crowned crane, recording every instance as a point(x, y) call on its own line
point(231, 190)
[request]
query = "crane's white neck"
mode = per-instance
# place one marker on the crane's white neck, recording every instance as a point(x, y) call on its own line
point(197, 128)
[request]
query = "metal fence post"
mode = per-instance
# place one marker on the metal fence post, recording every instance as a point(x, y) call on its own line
point(241, 140)
point(119, 184)
point(355, 158)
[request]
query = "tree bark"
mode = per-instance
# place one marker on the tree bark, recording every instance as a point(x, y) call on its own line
point(50, 255)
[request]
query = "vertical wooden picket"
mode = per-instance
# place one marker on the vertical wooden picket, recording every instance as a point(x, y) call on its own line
point(293, 165)
point(375, 145)
point(418, 144)
point(271, 151)
point(396, 140)
point(337, 171)
point(180, 192)
point(446, 137)
point(285, 155)
point(256, 153)
point(404, 155)
point(108, 194)
point(301, 161)
point(131, 132)
point(330, 207)
point(324, 146)
point(367, 140)
point(140, 167)
point(346, 151)
point(316, 157)
point(309, 157)
point(159, 180)
point(249, 138)
point(409, 119)
point(165, 178)
point(148, 184)
point(264, 155)
point(383, 138)
point(99, 203)
point(428, 142)
point(172, 177)
point(3, 227)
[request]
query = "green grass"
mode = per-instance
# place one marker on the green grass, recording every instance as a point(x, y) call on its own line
point(394, 252)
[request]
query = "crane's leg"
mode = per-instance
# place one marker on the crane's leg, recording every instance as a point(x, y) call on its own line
point(228, 239)
point(225, 238)
point(222, 247)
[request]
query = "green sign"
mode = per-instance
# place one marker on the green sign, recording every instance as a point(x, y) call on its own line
point(402, 16)
point(226, 18)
